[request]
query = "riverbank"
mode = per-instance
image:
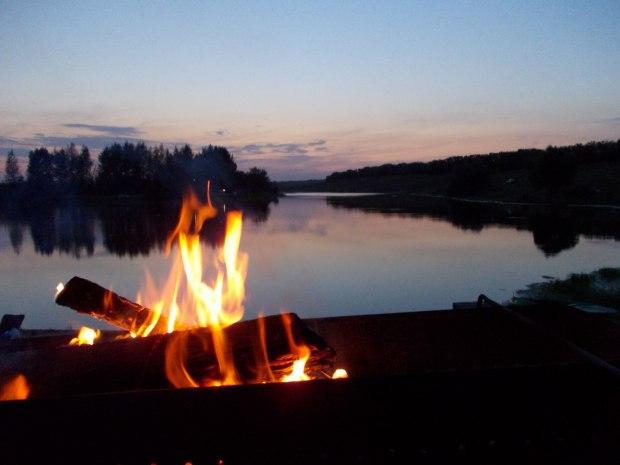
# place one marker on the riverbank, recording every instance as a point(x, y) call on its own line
point(595, 290)
point(573, 175)
point(595, 184)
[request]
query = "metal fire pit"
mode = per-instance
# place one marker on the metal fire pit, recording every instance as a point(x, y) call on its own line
point(474, 386)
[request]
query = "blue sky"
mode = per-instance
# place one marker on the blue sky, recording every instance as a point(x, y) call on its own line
point(305, 88)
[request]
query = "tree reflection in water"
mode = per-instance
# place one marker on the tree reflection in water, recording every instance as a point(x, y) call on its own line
point(128, 228)
point(553, 229)
point(131, 228)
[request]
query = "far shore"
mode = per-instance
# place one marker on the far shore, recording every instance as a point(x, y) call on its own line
point(445, 197)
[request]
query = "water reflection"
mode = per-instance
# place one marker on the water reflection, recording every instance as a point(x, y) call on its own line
point(314, 256)
point(553, 230)
point(16, 236)
point(130, 228)
point(133, 228)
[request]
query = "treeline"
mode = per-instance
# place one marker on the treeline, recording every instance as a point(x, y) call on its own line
point(543, 175)
point(134, 169)
point(502, 161)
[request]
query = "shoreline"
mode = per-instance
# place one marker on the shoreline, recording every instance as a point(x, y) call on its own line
point(445, 197)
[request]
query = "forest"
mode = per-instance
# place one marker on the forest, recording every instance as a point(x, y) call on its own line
point(502, 161)
point(131, 169)
point(575, 173)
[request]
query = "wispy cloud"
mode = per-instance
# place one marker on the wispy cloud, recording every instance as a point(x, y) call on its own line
point(19, 152)
point(609, 120)
point(93, 142)
point(282, 161)
point(9, 141)
point(115, 131)
point(280, 150)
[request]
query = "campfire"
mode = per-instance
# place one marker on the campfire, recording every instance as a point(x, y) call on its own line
point(188, 328)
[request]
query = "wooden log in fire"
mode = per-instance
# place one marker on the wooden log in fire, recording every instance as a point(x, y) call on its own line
point(140, 363)
point(84, 296)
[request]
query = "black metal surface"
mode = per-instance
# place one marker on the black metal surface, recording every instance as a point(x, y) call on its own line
point(565, 414)
point(547, 333)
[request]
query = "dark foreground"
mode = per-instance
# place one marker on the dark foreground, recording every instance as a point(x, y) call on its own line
point(487, 385)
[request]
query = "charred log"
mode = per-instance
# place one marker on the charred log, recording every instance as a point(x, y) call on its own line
point(139, 364)
point(90, 298)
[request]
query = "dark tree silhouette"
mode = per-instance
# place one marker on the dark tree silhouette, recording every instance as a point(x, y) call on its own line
point(592, 152)
point(60, 166)
point(255, 180)
point(135, 169)
point(63, 171)
point(40, 169)
point(470, 179)
point(80, 165)
point(130, 169)
point(216, 164)
point(12, 171)
point(121, 168)
point(553, 170)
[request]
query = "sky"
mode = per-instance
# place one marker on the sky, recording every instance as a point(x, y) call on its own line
point(306, 88)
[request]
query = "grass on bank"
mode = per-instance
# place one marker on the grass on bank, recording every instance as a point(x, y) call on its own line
point(601, 287)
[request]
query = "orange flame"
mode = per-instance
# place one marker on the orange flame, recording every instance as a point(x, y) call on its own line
point(302, 352)
point(298, 372)
point(176, 357)
point(192, 297)
point(16, 388)
point(264, 368)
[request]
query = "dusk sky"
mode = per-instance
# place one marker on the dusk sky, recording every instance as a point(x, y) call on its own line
point(306, 88)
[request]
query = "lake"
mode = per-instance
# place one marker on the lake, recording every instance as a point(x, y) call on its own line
point(316, 255)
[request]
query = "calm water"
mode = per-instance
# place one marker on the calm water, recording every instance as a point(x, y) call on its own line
point(315, 255)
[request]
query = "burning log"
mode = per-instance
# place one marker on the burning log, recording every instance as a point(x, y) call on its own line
point(140, 363)
point(84, 296)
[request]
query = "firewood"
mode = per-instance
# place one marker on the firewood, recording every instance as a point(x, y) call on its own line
point(139, 363)
point(84, 296)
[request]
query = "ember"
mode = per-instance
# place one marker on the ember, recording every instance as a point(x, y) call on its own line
point(15, 389)
point(86, 336)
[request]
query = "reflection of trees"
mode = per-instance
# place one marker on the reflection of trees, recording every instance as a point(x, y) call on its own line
point(135, 228)
point(70, 230)
point(75, 231)
point(553, 233)
point(257, 211)
point(138, 228)
point(553, 230)
point(16, 236)
point(43, 230)
point(130, 228)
